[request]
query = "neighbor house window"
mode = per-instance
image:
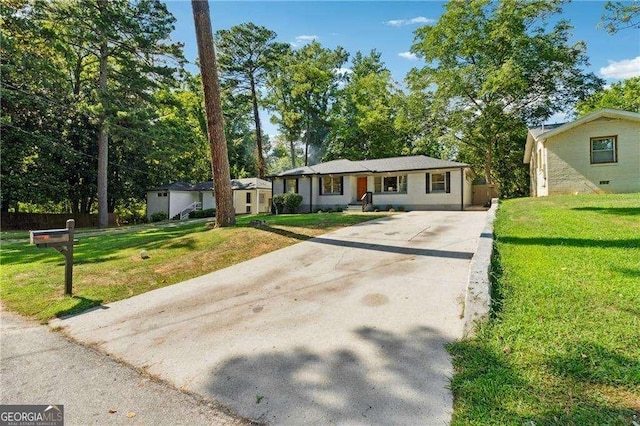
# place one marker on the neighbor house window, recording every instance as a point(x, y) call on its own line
point(603, 150)
point(331, 185)
point(162, 194)
point(248, 198)
point(261, 198)
point(291, 185)
point(438, 182)
point(382, 184)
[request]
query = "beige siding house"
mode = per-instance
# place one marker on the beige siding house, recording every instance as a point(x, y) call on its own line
point(598, 153)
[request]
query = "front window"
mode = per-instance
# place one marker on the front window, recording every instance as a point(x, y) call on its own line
point(438, 182)
point(382, 184)
point(291, 185)
point(248, 198)
point(331, 185)
point(603, 150)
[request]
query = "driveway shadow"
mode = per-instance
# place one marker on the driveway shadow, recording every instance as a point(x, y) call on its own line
point(405, 383)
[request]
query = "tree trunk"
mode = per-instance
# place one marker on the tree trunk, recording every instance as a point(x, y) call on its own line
point(487, 165)
point(292, 152)
point(103, 148)
point(103, 137)
point(256, 118)
point(307, 138)
point(225, 213)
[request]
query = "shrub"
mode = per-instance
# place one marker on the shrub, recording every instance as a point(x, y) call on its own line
point(199, 214)
point(400, 208)
point(278, 203)
point(292, 202)
point(158, 216)
point(389, 207)
point(339, 209)
point(329, 210)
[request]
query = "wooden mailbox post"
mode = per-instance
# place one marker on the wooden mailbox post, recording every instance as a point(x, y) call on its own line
point(61, 240)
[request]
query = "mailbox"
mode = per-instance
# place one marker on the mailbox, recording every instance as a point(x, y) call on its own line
point(49, 237)
point(62, 241)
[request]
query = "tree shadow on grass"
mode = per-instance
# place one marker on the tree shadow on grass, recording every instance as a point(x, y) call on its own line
point(488, 389)
point(616, 211)
point(571, 242)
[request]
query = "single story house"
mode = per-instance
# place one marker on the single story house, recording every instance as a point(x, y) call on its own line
point(251, 195)
point(413, 182)
point(598, 153)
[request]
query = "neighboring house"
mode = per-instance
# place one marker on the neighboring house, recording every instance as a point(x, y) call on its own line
point(597, 153)
point(415, 183)
point(250, 195)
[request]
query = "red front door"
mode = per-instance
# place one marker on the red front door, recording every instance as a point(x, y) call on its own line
point(362, 187)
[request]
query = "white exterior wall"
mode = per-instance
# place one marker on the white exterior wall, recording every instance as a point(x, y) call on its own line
point(417, 198)
point(568, 159)
point(180, 200)
point(468, 188)
point(332, 201)
point(208, 200)
point(157, 204)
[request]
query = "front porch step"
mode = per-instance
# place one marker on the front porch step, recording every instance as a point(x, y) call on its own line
point(354, 208)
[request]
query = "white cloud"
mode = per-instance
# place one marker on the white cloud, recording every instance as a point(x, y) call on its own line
point(625, 68)
point(408, 55)
point(302, 39)
point(412, 21)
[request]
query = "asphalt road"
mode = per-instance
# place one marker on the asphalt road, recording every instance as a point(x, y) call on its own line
point(39, 366)
point(348, 328)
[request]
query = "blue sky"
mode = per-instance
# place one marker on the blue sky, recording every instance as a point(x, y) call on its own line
point(388, 26)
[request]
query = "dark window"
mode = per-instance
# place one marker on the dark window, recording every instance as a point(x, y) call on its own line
point(603, 150)
point(248, 198)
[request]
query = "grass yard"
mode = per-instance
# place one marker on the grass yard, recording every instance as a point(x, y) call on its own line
point(563, 343)
point(108, 267)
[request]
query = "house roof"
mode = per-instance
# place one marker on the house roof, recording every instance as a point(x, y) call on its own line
point(246, 183)
point(381, 165)
point(544, 132)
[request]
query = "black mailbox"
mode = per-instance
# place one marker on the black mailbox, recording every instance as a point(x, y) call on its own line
point(62, 241)
point(49, 237)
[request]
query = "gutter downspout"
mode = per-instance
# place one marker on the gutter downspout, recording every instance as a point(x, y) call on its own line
point(462, 189)
point(169, 204)
point(310, 194)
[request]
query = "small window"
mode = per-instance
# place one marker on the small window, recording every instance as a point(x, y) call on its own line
point(331, 185)
point(603, 150)
point(438, 182)
point(382, 184)
point(162, 194)
point(248, 209)
point(261, 198)
point(248, 198)
point(291, 185)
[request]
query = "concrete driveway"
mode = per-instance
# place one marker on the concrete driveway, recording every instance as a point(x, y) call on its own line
point(347, 328)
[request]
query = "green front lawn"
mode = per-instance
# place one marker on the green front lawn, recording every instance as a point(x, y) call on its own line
point(563, 343)
point(108, 266)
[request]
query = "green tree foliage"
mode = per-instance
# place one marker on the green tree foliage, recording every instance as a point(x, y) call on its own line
point(624, 95)
point(621, 15)
point(53, 108)
point(246, 54)
point(363, 125)
point(304, 90)
point(494, 67)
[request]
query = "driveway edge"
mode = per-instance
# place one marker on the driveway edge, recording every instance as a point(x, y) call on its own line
point(478, 297)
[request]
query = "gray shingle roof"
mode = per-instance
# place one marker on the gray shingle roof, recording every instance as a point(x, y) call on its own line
point(247, 183)
point(414, 162)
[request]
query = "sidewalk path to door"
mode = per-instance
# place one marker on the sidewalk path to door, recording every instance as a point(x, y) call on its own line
point(346, 328)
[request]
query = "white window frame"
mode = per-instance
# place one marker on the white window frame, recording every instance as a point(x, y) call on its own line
point(614, 150)
point(335, 185)
point(381, 187)
point(435, 190)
